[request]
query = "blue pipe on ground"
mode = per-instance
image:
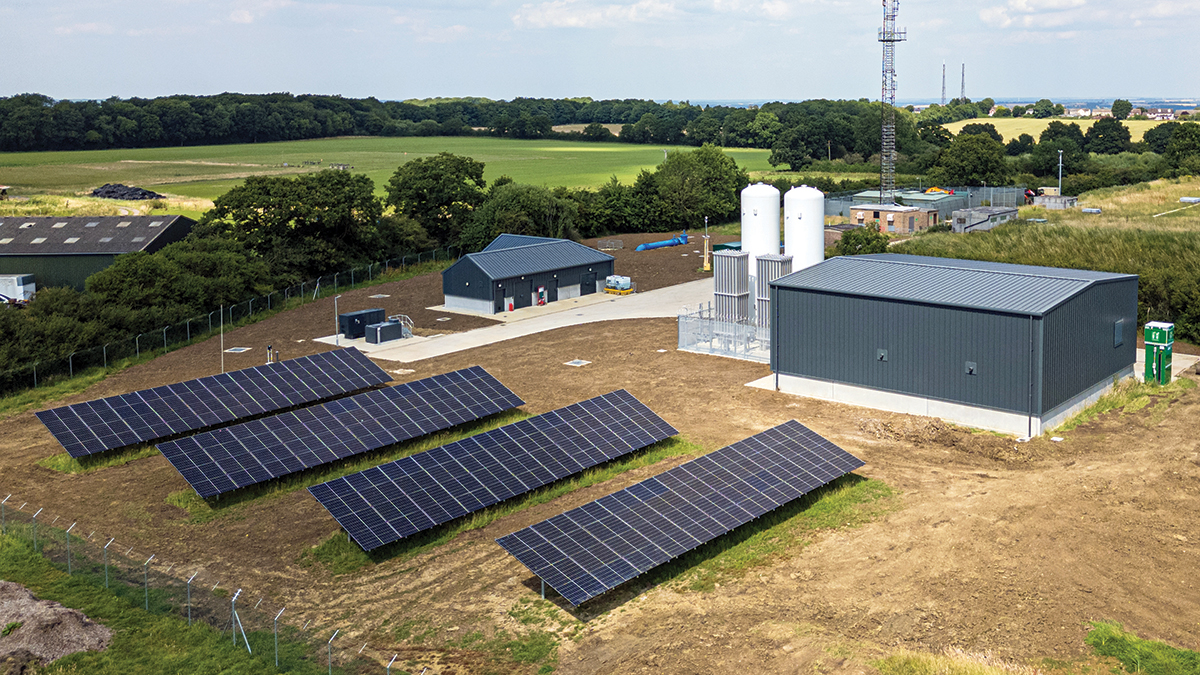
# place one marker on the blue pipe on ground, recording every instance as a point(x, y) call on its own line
point(675, 241)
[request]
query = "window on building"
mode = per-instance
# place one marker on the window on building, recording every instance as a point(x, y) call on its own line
point(26, 226)
point(92, 224)
point(71, 240)
point(38, 240)
point(6, 240)
point(59, 226)
point(124, 223)
point(156, 223)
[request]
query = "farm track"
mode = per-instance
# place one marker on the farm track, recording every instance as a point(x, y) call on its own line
point(996, 546)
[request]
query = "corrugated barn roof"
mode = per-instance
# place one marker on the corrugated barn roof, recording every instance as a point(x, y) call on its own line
point(545, 256)
point(1000, 287)
point(513, 240)
point(83, 235)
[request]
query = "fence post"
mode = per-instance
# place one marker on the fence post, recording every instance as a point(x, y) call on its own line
point(189, 596)
point(35, 376)
point(106, 357)
point(35, 530)
point(71, 364)
point(251, 307)
point(137, 343)
point(110, 541)
point(277, 636)
point(189, 330)
point(330, 645)
point(3, 519)
point(146, 580)
point(335, 282)
point(165, 337)
point(351, 278)
point(68, 535)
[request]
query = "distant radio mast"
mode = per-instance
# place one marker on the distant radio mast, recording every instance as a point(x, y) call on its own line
point(943, 83)
point(962, 97)
point(889, 36)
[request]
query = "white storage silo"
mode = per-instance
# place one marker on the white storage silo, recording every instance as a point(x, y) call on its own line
point(804, 226)
point(760, 221)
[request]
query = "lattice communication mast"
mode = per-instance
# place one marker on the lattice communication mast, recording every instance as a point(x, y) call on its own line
point(889, 36)
point(943, 84)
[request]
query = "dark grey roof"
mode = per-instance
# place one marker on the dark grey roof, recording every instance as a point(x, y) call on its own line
point(513, 240)
point(82, 235)
point(1015, 289)
point(545, 256)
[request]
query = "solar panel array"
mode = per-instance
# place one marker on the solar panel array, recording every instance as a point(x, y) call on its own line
point(234, 457)
point(117, 421)
point(598, 546)
point(389, 502)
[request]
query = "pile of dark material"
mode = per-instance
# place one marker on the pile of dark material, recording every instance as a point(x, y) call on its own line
point(118, 191)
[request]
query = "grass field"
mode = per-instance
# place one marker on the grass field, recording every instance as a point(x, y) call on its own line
point(206, 172)
point(1010, 127)
point(1133, 207)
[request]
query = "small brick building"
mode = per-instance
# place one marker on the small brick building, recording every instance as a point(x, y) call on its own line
point(893, 218)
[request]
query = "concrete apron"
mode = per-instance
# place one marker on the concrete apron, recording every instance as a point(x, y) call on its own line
point(659, 303)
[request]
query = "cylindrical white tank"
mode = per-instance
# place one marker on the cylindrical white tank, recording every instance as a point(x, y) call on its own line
point(804, 226)
point(760, 221)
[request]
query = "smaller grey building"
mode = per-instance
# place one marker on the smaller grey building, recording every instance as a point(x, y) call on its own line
point(981, 218)
point(516, 271)
point(1013, 348)
point(65, 251)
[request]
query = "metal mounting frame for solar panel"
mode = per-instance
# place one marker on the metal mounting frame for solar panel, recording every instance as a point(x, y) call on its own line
point(393, 501)
point(599, 546)
point(244, 454)
point(150, 414)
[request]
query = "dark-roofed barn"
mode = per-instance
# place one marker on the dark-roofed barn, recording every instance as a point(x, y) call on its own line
point(66, 251)
point(1012, 348)
point(516, 271)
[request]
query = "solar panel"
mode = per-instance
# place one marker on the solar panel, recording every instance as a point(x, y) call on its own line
point(117, 421)
point(393, 501)
point(226, 459)
point(598, 546)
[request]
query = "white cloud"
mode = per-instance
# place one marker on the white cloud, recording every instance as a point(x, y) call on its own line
point(248, 12)
point(79, 28)
point(1037, 14)
point(425, 32)
point(583, 14)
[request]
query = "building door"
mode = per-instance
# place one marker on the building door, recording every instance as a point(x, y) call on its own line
point(498, 300)
point(552, 290)
point(522, 293)
point(587, 283)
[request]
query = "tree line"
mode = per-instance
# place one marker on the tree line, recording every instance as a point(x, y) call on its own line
point(271, 232)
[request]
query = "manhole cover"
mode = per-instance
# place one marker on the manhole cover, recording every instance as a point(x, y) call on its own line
point(662, 351)
point(444, 318)
point(380, 295)
point(237, 350)
point(577, 363)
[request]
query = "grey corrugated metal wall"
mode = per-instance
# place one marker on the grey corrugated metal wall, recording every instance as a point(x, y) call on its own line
point(56, 270)
point(455, 278)
point(1079, 336)
point(836, 337)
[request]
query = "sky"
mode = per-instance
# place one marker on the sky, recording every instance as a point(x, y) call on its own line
point(649, 49)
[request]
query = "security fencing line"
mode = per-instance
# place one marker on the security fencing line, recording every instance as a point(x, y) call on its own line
point(704, 331)
point(148, 584)
point(838, 203)
point(201, 327)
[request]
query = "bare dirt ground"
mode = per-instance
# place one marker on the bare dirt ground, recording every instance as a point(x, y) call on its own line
point(45, 631)
point(994, 546)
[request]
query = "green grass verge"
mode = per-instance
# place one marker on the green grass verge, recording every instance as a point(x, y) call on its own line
point(342, 557)
point(64, 463)
point(1141, 656)
point(31, 398)
point(847, 502)
point(144, 642)
point(1131, 396)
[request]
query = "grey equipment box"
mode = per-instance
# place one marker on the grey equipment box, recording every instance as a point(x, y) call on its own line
point(354, 324)
point(378, 333)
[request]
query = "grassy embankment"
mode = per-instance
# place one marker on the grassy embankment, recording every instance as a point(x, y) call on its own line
point(206, 172)
point(155, 641)
point(1010, 127)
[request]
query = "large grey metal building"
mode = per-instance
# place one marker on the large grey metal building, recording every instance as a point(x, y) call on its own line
point(66, 251)
point(1012, 348)
point(516, 271)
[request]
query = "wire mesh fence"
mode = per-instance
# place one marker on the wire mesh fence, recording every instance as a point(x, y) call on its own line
point(202, 326)
point(296, 641)
point(704, 332)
